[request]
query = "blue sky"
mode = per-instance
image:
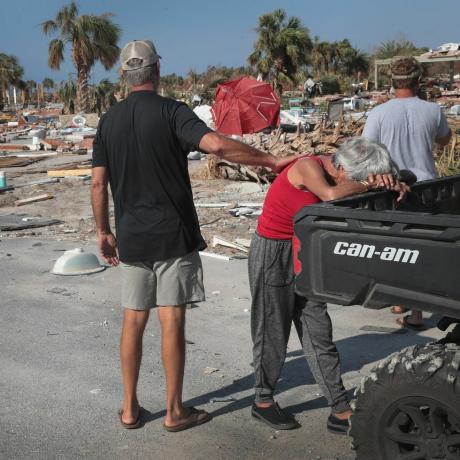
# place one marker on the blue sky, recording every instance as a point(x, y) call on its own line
point(196, 33)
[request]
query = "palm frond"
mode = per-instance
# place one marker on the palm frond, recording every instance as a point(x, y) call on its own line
point(49, 27)
point(65, 18)
point(55, 53)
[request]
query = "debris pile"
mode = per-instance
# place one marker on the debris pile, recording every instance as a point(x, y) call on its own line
point(46, 131)
point(323, 140)
point(448, 157)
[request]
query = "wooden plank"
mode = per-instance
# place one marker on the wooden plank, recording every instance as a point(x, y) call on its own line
point(218, 241)
point(33, 199)
point(15, 162)
point(69, 172)
point(215, 256)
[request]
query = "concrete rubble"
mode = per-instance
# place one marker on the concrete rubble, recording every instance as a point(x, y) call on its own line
point(47, 130)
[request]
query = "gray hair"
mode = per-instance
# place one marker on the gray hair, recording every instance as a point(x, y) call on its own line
point(361, 157)
point(140, 76)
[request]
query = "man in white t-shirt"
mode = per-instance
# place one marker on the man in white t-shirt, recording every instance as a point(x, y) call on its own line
point(408, 126)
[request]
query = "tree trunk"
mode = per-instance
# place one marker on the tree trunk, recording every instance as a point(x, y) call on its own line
point(279, 89)
point(82, 89)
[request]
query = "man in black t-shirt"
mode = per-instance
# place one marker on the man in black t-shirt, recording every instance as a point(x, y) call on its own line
point(141, 149)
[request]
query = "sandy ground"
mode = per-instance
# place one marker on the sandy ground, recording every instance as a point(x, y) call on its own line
point(60, 384)
point(71, 202)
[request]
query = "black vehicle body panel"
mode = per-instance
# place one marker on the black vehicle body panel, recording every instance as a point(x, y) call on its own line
point(369, 250)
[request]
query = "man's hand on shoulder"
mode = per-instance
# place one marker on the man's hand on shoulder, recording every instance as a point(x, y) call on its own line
point(107, 244)
point(282, 162)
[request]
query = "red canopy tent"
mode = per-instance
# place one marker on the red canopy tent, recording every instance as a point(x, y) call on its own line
point(245, 106)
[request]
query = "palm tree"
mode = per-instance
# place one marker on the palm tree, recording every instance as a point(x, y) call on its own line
point(47, 84)
point(318, 56)
point(92, 38)
point(10, 73)
point(282, 47)
point(103, 96)
point(22, 86)
point(398, 47)
point(31, 86)
point(355, 61)
point(349, 60)
point(68, 95)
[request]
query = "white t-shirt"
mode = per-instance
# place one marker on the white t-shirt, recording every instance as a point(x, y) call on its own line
point(408, 128)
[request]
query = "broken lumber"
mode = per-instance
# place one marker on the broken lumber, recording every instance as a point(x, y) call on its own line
point(33, 199)
point(15, 162)
point(212, 205)
point(213, 255)
point(324, 140)
point(218, 241)
point(38, 182)
point(69, 172)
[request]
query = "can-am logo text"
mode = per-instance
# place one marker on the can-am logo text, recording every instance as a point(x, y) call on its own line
point(368, 251)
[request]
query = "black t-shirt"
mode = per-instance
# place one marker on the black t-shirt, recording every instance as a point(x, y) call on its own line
point(144, 141)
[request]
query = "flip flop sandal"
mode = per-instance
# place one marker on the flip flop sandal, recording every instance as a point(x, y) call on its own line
point(403, 322)
point(397, 310)
point(130, 426)
point(196, 417)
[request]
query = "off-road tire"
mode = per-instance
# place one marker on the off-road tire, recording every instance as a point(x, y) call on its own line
point(408, 408)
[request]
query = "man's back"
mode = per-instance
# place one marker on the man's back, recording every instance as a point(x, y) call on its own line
point(408, 127)
point(144, 142)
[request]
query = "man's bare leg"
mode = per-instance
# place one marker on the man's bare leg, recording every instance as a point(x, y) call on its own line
point(131, 355)
point(172, 320)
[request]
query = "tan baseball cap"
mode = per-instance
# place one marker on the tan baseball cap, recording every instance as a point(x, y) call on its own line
point(143, 50)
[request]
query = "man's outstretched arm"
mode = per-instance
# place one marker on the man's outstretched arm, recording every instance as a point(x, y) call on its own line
point(239, 152)
point(106, 241)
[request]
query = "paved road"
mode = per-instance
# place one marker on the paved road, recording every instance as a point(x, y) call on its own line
point(60, 385)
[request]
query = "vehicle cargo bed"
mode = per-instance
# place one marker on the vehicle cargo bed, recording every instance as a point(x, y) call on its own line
point(368, 250)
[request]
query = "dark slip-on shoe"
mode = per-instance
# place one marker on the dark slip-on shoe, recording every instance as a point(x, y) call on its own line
point(336, 425)
point(274, 417)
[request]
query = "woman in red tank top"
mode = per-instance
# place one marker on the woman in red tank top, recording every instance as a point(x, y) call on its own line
point(358, 166)
point(282, 202)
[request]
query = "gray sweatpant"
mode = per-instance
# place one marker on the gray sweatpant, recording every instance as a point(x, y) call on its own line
point(275, 306)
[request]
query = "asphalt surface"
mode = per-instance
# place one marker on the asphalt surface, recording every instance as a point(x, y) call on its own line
point(60, 383)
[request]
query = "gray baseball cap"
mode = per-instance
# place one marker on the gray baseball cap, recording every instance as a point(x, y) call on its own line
point(143, 50)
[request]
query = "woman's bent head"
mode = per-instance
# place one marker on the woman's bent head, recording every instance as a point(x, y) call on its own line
point(360, 157)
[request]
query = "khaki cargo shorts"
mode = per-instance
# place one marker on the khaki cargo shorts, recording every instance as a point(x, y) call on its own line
point(172, 282)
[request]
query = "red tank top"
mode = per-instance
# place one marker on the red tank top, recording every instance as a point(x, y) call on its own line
point(282, 203)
